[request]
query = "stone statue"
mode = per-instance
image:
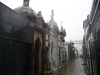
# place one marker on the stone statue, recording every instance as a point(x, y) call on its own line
point(26, 2)
point(52, 12)
point(52, 15)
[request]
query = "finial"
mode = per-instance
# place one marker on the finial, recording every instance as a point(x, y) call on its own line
point(26, 2)
point(61, 25)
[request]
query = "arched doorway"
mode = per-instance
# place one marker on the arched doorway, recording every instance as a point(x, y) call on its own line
point(38, 57)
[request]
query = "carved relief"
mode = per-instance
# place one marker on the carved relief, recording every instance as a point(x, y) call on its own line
point(39, 23)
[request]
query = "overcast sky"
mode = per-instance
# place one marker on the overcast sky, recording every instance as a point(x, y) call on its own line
point(71, 12)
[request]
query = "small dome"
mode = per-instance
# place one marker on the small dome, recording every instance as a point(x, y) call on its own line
point(54, 24)
point(25, 10)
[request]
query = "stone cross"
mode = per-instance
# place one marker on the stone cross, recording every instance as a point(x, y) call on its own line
point(61, 25)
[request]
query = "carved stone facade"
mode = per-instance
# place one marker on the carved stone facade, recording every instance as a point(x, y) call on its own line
point(38, 36)
point(55, 45)
point(35, 46)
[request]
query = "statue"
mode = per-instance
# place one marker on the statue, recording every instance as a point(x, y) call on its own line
point(52, 12)
point(26, 2)
point(52, 15)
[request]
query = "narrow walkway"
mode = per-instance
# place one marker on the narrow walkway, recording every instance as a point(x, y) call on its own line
point(75, 68)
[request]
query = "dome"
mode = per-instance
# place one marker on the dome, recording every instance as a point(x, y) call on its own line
point(25, 10)
point(54, 24)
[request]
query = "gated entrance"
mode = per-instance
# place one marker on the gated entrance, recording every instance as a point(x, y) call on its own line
point(37, 58)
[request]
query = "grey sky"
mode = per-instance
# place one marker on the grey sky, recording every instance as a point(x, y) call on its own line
point(71, 12)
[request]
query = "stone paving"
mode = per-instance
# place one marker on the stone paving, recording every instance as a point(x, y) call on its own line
point(74, 68)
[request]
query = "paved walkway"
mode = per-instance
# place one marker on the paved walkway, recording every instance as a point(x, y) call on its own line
point(75, 68)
